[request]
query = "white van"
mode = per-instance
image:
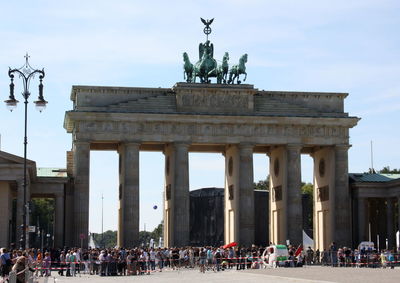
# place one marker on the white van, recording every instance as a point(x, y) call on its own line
point(275, 255)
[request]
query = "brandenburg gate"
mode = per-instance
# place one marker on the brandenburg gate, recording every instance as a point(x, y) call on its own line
point(235, 120)
point(226, 117)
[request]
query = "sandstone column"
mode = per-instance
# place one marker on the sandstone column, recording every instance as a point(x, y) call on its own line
point(342, 200)
point(81, 192)
point(277, 195)
point(390, 224)
point(69, 214)
point(246, 195)
point(294, 199)
point(59, 225)
point(324, 185)
point(180, 195)
point(128, 230)
point(231, 195)
point(362, 217)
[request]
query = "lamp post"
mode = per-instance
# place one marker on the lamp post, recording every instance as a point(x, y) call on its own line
point(26, 73)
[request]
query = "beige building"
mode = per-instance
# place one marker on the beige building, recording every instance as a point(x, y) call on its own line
point(41, 183)
point(376, 209)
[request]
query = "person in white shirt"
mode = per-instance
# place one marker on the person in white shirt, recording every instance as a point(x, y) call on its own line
point(152, 259)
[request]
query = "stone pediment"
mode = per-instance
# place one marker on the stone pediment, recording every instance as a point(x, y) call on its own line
point(8, 158)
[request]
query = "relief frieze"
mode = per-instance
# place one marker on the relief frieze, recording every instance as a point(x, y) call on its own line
point(209, 129)
point(214, 100)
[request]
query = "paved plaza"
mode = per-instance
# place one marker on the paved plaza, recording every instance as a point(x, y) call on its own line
point(280, 275)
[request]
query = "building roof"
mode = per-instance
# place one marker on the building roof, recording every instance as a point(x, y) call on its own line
point(373, 177)
point(52, 172)
point(207, 192)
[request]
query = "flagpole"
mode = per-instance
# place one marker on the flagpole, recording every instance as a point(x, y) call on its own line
point(102, 220)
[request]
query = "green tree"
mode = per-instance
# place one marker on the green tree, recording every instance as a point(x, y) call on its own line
point(158, 232)
point(387, 170)
point(307, 188)
point(110, 239)
point(262, 185)
point(42, 216)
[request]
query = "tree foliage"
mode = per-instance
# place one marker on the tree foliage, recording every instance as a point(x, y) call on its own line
point(262, 184)
point(387, 170)
point(107, 240)
point(42, 216)
point(307, 188)
point(110, 237)
point(42, 213)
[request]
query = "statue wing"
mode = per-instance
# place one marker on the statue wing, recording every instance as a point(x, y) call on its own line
point(210, 21)
point(203, 21)
point(212, 50)
point(201, 50)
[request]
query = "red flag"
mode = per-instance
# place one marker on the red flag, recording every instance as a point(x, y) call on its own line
point(299, 250)
point(233, 244)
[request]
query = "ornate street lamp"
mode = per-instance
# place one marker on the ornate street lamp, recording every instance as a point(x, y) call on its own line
point(26, 73)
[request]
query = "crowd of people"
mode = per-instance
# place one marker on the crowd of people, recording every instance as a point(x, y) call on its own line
point(140, 261)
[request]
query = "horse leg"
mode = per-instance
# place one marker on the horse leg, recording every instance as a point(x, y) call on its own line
point(235, 77)
point(230, 78)
point(245, 76)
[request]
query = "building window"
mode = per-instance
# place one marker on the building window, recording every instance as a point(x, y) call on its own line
point(323, 193)
point(231, 192)
point(277, 193)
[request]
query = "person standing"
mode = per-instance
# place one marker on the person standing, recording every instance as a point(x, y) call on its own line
point(72, 263)
point(39, 262)
point(62, 263)
point(152, 256)
point(47, 264)
point(202, 260)
point(6, 263)
point(333, 254)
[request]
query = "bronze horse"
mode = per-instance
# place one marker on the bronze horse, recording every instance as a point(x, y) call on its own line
point(237, 70)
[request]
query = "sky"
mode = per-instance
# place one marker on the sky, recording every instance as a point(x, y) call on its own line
point(334, 46)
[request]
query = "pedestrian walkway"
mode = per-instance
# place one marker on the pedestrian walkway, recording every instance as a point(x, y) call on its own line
point(279, 275)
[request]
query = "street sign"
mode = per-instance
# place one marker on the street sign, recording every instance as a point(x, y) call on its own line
point(32, 229)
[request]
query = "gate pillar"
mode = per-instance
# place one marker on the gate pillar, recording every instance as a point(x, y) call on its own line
point(239, 195)
point(285, 195)
point(342, 200)
point(324, 186)
point(59, 225)
point(81, 153)
point(176, 195)
point(128, 213)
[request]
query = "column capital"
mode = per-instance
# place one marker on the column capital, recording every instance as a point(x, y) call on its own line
point(130, 143)
point(294, 146)
point(342, 147)
point(181, 144)
point(81, 142)
point(246, 145)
